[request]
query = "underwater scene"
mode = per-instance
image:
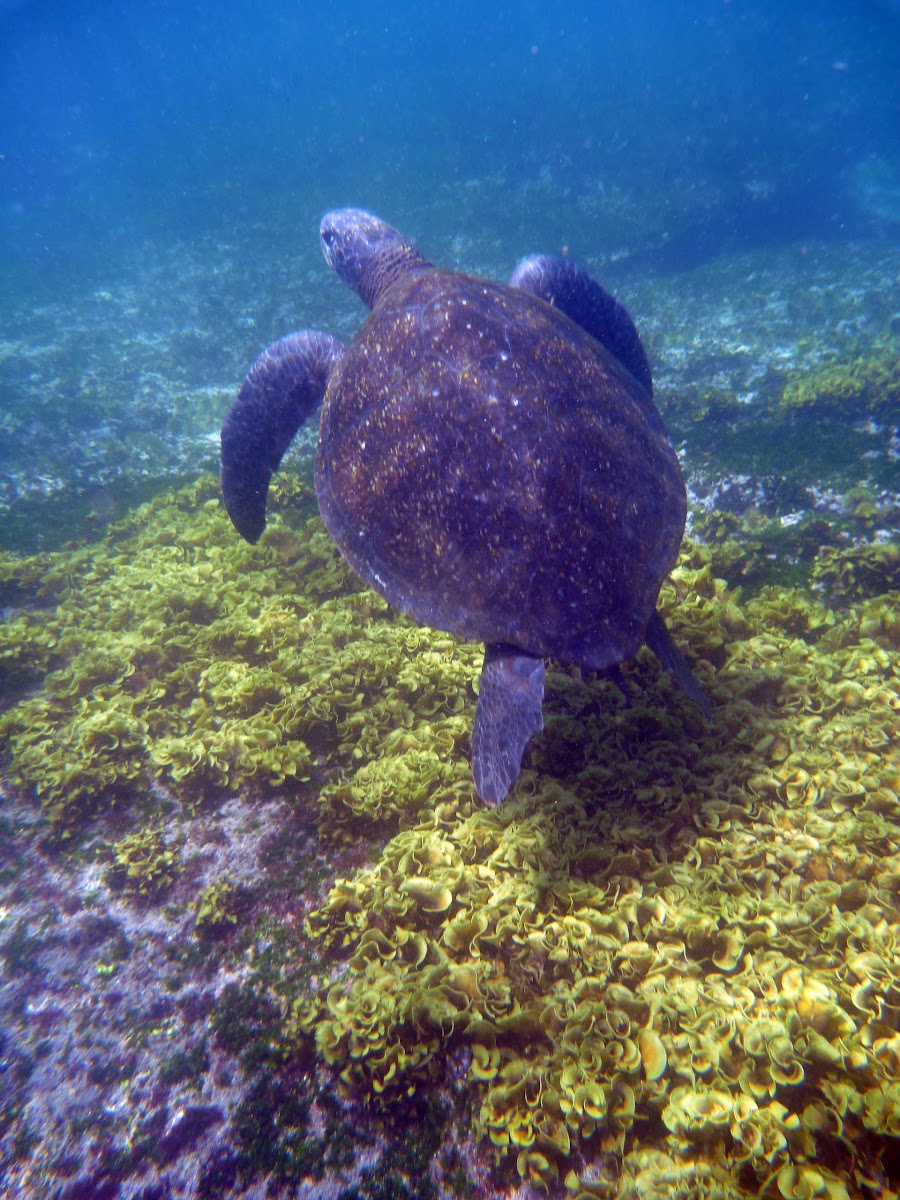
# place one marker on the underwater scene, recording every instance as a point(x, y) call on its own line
point(474, 773)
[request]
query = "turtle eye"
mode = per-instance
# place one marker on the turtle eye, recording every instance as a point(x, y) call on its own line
point(329, 237)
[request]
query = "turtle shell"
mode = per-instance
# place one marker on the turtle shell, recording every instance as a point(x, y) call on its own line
point(492, 470)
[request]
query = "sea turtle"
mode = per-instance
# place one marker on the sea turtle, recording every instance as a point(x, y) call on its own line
point(490, 460)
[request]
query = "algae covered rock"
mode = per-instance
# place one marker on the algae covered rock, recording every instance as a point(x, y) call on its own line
point(845, 388)
point(178, 658)
point(656, 967)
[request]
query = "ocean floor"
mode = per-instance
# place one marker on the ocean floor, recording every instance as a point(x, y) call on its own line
point(258, 937)
point(111, 391)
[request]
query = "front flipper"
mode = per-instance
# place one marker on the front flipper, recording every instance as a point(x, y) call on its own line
point(570, 289)
point(660, 642)
point(510, 697)
point(280, 392)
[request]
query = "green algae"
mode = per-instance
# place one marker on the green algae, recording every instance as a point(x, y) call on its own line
point(858, 572)
point(673, 947)
point(177, 654)
point(138, 687)
point(272, 1135)
point(846, 388)
point(631, 922)
point(832, 558)
point(47, 524)
point(144, 863)
point(245, 1022)
point(272, 1127)
point(831, 422)
point(219, 907)
point(22, 949)
point(751, 551)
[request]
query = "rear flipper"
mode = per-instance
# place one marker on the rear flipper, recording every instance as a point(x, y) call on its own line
point(510, 697)
point(570, 289)
point(660, 642)
point(281, 391)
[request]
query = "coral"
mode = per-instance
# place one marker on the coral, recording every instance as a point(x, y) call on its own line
point(674, 948)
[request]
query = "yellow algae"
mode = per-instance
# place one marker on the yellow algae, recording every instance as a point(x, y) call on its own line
point(653, 1053)
point(674, 947)
point(144, 863)
point(846, 387)
point(717, 956)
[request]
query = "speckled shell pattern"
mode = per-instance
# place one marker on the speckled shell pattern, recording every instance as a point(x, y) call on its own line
point(492, 471)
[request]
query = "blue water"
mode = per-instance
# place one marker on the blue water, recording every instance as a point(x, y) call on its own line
point(709, 122)
point(163, 169)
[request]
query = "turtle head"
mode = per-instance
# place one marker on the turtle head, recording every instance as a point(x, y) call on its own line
point(367, 254)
